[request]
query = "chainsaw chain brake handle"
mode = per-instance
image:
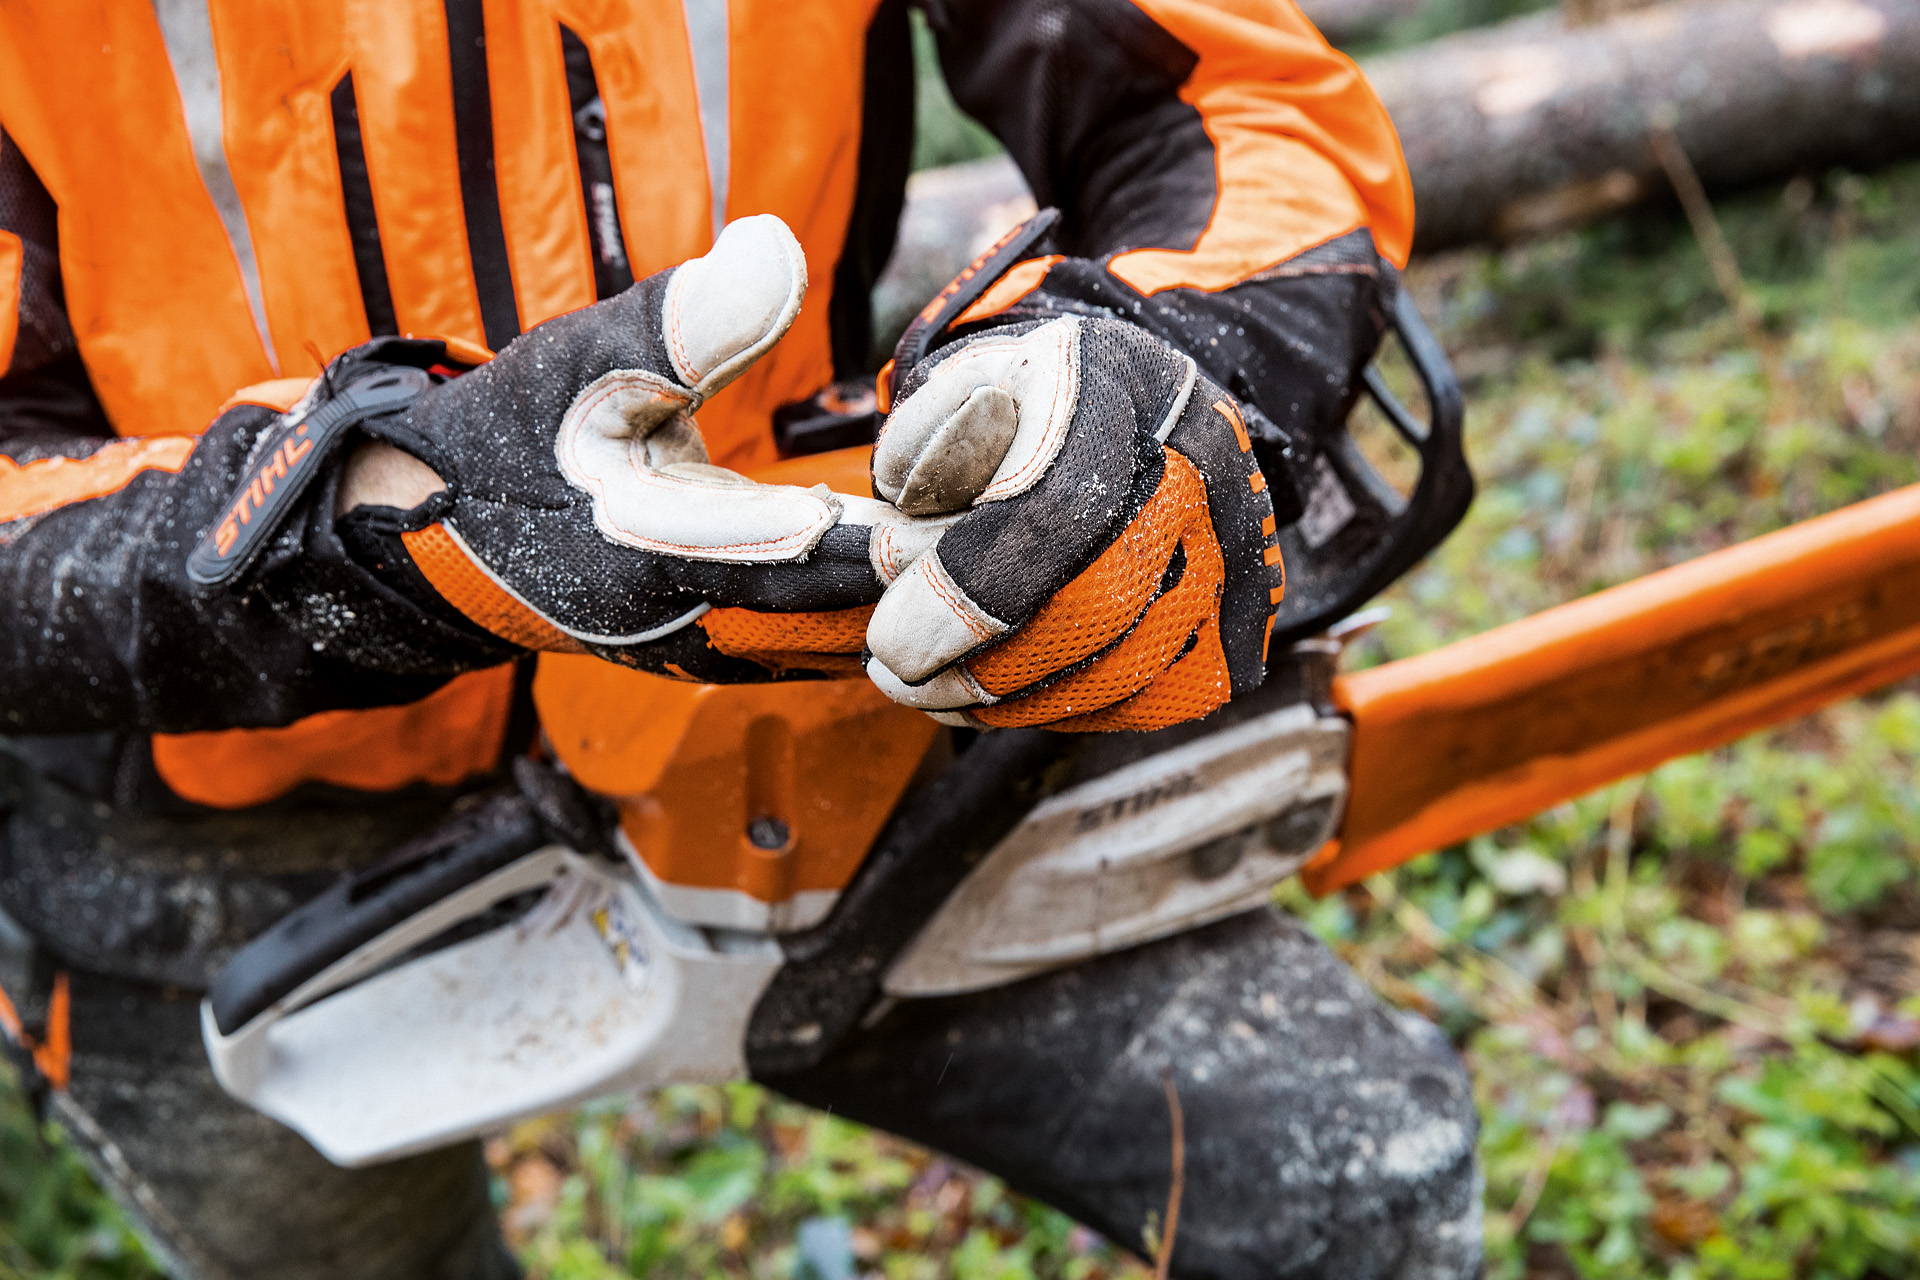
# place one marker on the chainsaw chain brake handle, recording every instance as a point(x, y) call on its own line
point(1356, 533)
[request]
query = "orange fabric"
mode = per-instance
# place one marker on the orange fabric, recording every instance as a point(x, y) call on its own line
point(54, 1058)
point(443, 739)
point(535, 165)
point(1021, 279)
point(50, 483)
point(829, 641)
point(404, 83)
point(1195, 686)
point(151, 284)
point(12, 263)
point(470, 589)
point(278, 65)
point(1304, 150)
point(1143, 658)
point(1099, 605)
point(798, 84)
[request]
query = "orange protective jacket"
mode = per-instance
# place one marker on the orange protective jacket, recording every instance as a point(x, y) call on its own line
point(198, 196)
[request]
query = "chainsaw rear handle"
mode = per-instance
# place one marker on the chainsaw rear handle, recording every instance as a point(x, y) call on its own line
point(363, 907)
point(1335, 564)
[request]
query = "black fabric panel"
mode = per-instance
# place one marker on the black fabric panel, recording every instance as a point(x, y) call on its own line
point(886, 156)
point(49, 409)
point(473, 138)
point(363, 225)
point(612, 271)
point(1085, 96)
point(28, 211)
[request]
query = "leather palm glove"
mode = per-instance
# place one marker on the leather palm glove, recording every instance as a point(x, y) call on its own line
point(579, 511)
point(1105, 557)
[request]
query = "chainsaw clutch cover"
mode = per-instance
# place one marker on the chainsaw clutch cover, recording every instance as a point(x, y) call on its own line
point(1171, 841)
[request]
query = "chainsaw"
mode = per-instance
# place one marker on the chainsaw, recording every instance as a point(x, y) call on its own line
point(710, 882)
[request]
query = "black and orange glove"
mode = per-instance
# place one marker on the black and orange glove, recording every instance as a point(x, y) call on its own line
point(579, 511)
point(1105, 555)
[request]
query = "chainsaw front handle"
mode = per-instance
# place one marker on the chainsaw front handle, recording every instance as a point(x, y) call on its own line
point(1356, 533)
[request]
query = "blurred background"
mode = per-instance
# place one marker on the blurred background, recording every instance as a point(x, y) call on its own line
point(1674, 252)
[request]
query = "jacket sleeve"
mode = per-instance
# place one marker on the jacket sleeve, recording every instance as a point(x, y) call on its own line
point(1226, 179)
point(99, 626)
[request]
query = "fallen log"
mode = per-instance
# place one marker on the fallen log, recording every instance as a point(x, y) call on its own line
point(1530, 125)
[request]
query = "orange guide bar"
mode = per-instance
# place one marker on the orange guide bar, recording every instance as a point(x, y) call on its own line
point(1495, 728)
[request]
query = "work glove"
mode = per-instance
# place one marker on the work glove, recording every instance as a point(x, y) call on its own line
point(580, 512)
point(1105, 557)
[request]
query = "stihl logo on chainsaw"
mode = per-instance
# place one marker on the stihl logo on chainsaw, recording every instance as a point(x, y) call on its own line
point(1139, 802)
point(253, 497)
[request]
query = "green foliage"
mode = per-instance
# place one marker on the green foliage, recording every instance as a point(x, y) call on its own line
point(943, 133)
point(54, 1223)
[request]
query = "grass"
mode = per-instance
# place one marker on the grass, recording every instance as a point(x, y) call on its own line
point(1689, 1000)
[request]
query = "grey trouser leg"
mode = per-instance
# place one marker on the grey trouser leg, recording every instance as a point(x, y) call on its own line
point(223, 1193)
point(159, 903)
point(1327, 1136)
point(219, 1191)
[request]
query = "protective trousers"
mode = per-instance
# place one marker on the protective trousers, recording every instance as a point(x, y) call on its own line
point(1326, 1135)
point(139, 912)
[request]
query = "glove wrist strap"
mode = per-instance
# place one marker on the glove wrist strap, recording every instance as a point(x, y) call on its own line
point(285, 464)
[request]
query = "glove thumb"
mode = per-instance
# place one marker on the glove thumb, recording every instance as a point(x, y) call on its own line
point(727, 308)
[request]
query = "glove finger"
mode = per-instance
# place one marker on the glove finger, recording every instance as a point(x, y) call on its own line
point(670, 500)
point(628, 439)
point(985, 424)
point(1164, 634)
point(1107, 599)
point(726, 308)
point(940, 448)
point(1197, 684)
